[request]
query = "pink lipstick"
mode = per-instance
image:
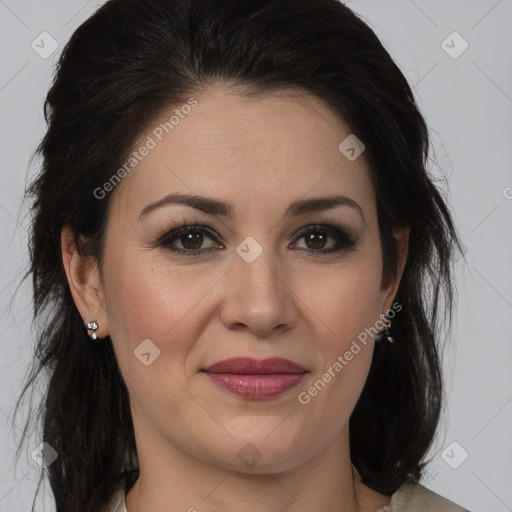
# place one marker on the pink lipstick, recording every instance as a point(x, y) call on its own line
point(255, 378)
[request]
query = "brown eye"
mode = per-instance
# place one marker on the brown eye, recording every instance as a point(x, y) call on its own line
point(316, 239)
point(191, 239)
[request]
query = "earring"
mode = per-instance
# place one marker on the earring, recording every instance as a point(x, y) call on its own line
point(92, 326)
point(385, 336)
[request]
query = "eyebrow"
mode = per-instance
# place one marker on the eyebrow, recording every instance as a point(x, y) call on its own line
point(212, 206)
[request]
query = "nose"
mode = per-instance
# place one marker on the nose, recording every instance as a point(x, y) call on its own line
point(259, 296)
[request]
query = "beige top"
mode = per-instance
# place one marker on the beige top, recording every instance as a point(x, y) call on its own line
point(408, 498)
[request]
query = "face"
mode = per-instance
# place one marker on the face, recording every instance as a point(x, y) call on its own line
point(268, 275)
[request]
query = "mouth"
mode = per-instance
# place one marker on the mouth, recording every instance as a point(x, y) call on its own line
point(256, 379)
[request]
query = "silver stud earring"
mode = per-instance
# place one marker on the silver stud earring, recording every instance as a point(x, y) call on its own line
point(92, 326)
point(385, 336)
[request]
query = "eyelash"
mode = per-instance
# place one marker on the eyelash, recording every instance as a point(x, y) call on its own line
point(344, 238)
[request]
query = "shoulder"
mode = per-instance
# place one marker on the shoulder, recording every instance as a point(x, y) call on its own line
point(417, 498)
point(408, 498)
point(117, 501)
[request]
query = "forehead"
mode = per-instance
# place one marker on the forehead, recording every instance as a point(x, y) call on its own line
point(258, 153)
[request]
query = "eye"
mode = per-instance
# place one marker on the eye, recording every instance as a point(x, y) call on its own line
point(316, 237)
point(191, 239)
point(188, 240)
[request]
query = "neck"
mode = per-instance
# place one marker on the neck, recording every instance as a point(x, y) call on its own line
point(170, 480)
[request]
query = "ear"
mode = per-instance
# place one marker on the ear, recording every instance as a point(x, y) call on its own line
point(84, 283)
point(389, 286)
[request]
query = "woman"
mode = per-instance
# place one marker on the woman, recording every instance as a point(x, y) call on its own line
point(237, 258)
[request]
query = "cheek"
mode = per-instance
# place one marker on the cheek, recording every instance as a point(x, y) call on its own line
point(147, 298)
point(346, 306)
point(345, 298)
point(150, 300)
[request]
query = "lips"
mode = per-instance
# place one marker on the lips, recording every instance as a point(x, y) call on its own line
point(256, 379)
point(250, 366)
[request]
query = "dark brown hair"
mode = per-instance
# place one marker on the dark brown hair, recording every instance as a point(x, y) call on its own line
point(121, 68)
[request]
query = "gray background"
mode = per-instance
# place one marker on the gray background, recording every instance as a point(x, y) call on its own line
point(467, 102)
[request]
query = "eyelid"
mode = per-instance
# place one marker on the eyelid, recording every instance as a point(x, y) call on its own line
point(326, 224)
point(177, 223)
point(330, 223)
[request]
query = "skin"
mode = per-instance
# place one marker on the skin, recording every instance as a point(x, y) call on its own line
point(260, 155)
